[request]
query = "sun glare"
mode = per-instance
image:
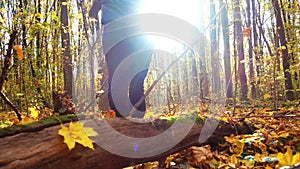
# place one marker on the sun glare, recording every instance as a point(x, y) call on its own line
point(190, 10)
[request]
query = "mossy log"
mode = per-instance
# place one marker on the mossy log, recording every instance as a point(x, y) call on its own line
point(45, 149)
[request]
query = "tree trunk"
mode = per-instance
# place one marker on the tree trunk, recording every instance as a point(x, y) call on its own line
point(226, 40)
point(216, 86)
point(38, 35)
point(250, 51)
point(255, 42)
point(5, 70)
point(195, 75)
point(45, 149)
point(67, 58)
point(284, 49)
point(240, 50)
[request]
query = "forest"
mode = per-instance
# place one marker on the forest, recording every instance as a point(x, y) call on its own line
point(236, 87)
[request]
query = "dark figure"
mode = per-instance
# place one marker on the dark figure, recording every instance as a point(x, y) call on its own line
point(127, 54)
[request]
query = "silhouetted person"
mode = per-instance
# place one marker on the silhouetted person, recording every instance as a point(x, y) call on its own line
point(127, 53)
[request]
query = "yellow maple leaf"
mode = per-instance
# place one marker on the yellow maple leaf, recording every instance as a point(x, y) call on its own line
point(225, 119)
point(233, 161)
point(238, 146)
point(267, 96)
point(77, 133)
point(230, 139)
point(68, 139)
point(33, 112)
point(20, 52)
point(288, 159)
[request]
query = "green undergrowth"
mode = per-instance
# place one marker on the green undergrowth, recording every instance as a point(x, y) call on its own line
point(39, 125)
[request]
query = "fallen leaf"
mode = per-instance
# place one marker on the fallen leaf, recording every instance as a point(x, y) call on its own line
point(33, 112)
point(25, 120)
point(77, 133)
point(233, 161)
point(288, 159)
point(110, 114)
point(267, 96)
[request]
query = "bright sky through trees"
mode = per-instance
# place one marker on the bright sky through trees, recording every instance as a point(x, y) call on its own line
point(192, 11)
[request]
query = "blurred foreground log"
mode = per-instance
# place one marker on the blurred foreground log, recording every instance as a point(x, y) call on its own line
point(44, 149)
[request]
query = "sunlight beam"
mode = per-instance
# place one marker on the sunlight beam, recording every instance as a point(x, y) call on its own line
point(191, 11)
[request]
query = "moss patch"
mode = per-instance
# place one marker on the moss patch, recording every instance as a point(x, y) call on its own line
point(39, 125)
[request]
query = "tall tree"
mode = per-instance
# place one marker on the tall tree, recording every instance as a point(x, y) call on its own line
point(194, 73)
point(255, 39)
point(67, 58)
point(38, 36)
point(35, 79)
point(284, 49)
point(216, 86)
point(226, 41)
point(240, 50)
point(250, 50)
point(203, 78)
point(290, 12)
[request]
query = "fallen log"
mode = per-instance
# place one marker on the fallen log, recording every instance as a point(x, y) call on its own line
point(45, 149)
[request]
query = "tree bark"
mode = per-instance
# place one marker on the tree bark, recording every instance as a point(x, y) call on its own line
point(257, 51)
point(284, 49)
point(216, 86)
point(7, 101)
point(45, 148)
point(227, 62)
point(240, 50)
point(67, 58)
point(250, 51)
point(195, 75)
point(5, 70)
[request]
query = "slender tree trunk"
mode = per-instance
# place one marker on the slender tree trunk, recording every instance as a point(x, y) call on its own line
point(216, 86)
point(276, 68)
point(204, 86)
point(203, 77)
point(284, 49)
point(168, 94)
point(38, 36)
point(250, 51)
point(186, 76)
point(54, 55)
point(29, 59)
point(255, 42)
point(67, 58)
point(226, 40)
point(195, 74)
point(235, 65)
point(291, 22)
point(5, 70)
point(240, 50)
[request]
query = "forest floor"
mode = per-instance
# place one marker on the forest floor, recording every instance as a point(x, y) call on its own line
point(275, 143)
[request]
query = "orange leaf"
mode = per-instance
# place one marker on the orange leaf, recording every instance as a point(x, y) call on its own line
point(20, 52)
point(247, 32)
point(26, 120)
point(110, 114)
